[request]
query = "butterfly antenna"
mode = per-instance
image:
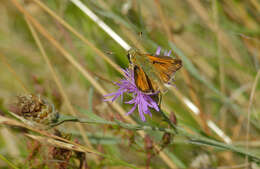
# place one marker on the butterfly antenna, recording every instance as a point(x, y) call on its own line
point(109, 52)
point(140, 39)
point(140, 35)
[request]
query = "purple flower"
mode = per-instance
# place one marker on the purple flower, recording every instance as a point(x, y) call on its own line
point(158, 52)
point(141, 100)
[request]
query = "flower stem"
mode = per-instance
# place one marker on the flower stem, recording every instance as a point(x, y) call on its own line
point(166, 118)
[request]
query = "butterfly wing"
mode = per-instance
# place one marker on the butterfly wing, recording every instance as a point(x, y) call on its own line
point(142, 81)
point(165, 66)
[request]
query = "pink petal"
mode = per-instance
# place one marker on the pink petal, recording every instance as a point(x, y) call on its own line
point(158, 51)
point(132, 110)
point(169, 53)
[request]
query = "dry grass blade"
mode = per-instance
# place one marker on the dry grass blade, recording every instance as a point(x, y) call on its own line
point(57, 81)
point(222, 35)
point(8, 162)
point(3, 58)
point(201, 119)
point(50, 139)
point(234, 166)
point(220, 60)
point(256, 4)
point(77, 34)
point(95, 84)
point(164, 20)
point(55, 143)
point(252, 94)
point(11, 143)
point(100, 23)
point(12, 122)
point(220, 57)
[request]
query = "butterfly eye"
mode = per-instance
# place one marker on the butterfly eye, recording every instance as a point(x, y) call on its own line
point(129, 57)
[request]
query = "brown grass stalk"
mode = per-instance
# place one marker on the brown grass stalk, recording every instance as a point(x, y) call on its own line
point(224, 39)
point(252, 94)
point(77, 34)
point(164, 20)
point(256, 4)
point(12, 122)
point(201, 119)
point(221, 69)
point(58, 83)
point(242, 16)
point(12, 71)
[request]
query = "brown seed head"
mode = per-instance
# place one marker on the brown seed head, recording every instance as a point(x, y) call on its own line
point(36, 109)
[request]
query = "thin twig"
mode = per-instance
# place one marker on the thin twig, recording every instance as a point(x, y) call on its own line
point(9, 67)
point(252, 94)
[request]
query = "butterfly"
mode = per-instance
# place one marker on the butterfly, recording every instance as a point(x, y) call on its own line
point(151, 72)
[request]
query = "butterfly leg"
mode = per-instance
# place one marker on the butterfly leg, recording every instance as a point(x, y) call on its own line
point(160, 99)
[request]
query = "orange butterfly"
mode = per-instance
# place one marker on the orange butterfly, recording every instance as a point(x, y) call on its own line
point(152, 72)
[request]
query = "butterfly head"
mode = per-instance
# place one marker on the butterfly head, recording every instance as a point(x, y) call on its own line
point(131, 55)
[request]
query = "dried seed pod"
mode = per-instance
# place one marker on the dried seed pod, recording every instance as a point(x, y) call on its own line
point(36, 109)
point(166, 139)
point(173, 118)
point(61, 154)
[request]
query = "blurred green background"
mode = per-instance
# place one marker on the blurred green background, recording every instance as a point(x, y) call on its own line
point(218, 41)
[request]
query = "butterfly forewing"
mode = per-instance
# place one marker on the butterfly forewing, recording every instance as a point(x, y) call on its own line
point(165, 66)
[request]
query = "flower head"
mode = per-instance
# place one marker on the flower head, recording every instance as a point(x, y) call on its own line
point(142, 101)
point(36, 109)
